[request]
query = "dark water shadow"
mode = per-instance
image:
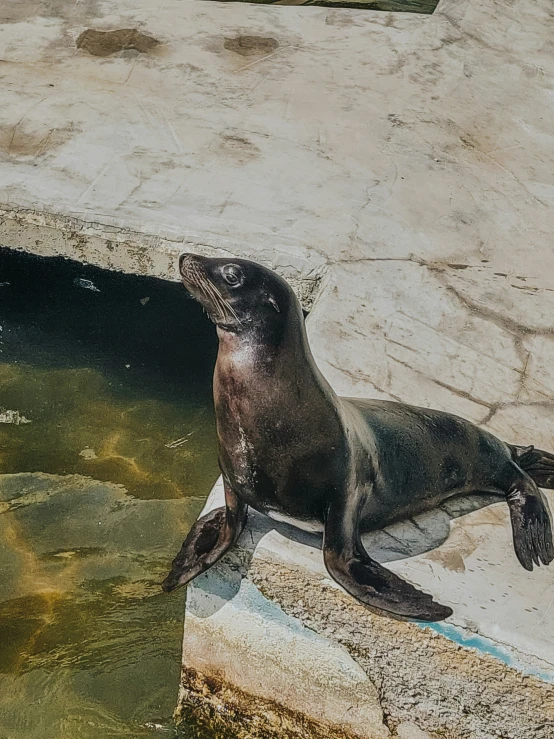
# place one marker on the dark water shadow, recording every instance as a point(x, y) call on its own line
point(114, 373)
point(59, 313)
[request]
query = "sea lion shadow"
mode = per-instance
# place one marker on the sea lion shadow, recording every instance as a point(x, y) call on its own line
point(402, 540)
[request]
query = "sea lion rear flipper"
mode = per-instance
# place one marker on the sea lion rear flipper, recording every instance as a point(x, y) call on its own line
point(210, 537)
point(531, 524)
point(351, 567)
point(537, 463)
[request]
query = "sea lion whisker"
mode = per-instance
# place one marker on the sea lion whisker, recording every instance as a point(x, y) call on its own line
point(224, 306)
point(196, 276)
point(227, 305)
point(218, 297)
point(210, 292)
point(220, 304)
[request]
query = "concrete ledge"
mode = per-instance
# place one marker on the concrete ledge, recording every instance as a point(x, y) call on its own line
point(120, 249)
point(222, 708)
point(259, 644)
point(268, 621)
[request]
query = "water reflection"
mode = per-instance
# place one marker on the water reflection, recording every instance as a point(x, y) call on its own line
point(94, 497)
point(82, 422)
point(89, 646)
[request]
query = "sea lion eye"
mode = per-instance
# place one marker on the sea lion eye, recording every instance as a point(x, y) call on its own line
point(232, 274)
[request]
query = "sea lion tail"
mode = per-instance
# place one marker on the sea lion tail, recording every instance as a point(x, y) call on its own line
point(539, 465)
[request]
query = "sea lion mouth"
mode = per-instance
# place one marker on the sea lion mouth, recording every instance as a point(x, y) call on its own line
point(195, 278)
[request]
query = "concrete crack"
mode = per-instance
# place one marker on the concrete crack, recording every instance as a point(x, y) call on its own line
point(525, 357)
point(360, 376)
point(508, 324)
point(451, 388)
point(361, 260)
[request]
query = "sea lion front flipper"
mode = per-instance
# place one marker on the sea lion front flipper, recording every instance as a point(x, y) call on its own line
point(531, 524)
point(210, 537)
point(351, 567)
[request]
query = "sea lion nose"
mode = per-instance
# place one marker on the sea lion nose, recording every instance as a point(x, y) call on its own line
point(186, 261)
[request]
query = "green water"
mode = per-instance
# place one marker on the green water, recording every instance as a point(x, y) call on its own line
point(96, 495)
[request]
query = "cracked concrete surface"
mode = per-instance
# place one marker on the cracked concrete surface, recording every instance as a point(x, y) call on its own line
point(398, 169)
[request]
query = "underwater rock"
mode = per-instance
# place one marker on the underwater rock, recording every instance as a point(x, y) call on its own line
point(14, 417)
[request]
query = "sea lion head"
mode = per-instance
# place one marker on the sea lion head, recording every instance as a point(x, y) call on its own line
point(240, 295)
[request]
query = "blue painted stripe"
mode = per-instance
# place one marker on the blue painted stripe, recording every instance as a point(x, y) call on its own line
point(482, 644)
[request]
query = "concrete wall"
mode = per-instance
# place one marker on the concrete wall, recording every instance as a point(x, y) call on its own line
point(400, 168)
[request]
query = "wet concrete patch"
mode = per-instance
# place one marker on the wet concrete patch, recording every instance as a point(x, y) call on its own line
point(251, 45)
point(105, 43)
point(237, 148)
point(20, 142)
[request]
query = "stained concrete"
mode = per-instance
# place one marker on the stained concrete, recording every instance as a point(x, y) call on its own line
point(396, 168)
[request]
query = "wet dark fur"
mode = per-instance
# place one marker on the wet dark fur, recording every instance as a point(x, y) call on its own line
point(288, 446)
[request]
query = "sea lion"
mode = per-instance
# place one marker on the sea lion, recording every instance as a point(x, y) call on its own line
point(290, 448)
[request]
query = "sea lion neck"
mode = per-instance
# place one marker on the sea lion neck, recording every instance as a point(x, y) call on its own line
point(259, 348)
point(272, 361)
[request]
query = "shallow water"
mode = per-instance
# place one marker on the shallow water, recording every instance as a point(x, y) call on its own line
point(97, 492)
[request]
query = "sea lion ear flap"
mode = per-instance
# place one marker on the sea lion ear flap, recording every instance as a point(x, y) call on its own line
point(271, 300)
